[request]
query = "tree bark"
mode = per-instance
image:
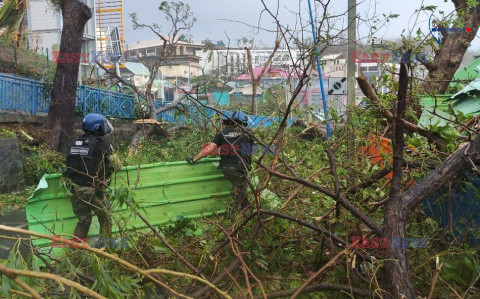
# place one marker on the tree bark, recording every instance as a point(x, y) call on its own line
point(462, 159)
point(62, 106)
point(372, 96)
point(395, 219)
point(450, 55)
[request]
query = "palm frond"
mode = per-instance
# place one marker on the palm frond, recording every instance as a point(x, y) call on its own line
point(12, 13)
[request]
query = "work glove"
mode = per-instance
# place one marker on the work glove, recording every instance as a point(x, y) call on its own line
point(190, 160)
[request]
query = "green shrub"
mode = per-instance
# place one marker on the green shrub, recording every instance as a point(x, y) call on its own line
point(41, 161)
point(6, 133)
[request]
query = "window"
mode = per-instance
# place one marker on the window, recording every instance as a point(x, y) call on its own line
point(373, 68)
point(191, 50)
point(364, 68)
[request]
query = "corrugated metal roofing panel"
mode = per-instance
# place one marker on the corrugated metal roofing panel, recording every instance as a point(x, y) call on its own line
point(469, 90)
point(469, 72)
point(440, 101)
point(137, 68)
point(165, 192)
point(470, 106)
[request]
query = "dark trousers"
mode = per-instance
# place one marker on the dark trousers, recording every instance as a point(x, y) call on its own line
point(238, 179)
point(84, 201)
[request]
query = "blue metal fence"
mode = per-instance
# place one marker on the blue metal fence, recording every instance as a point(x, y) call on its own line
point(19, 94)
point(201, 115)
point(108, 103)
point(191, 115)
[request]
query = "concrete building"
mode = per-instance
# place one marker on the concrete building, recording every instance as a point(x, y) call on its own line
point(233, 62)
point(45, 30)
point(181, 64)
point(334, 65)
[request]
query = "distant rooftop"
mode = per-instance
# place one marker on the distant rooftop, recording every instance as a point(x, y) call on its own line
point(137, 68)
point(155, 43)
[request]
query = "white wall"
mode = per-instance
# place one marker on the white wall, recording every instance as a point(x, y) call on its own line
point(45, 27)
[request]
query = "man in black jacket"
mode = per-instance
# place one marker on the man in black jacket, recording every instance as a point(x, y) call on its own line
point(88, 168)
point(235, 149)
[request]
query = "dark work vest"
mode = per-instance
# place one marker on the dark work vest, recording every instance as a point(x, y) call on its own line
point(83, 161)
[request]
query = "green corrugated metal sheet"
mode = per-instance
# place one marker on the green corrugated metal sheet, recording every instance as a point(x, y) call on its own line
point(467, 100)
point(469, 72)
point(441, 101)
point(428, 104)
point(473, 88)
point(469, 106)
point(429, 119)
point(166, 191)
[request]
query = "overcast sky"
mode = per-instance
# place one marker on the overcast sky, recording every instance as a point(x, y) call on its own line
point(212, 16)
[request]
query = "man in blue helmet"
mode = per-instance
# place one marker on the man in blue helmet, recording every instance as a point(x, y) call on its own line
point(88, 168)
point(235, 149)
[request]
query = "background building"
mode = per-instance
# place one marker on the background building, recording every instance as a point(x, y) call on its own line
point(181, 64)
point(231, 62)
point(334, 65)
point(45, 30)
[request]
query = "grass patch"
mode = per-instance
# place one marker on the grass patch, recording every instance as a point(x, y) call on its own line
point(30, 64)
point(15, 200)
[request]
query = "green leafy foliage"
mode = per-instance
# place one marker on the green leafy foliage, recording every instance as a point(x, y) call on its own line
point(40, 161)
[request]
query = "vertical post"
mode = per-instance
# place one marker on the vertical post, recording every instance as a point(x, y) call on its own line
point(34, 97)
point(319, 68)
point(83, 94)
point(189, 85)
point(352, 13)
point(176, 88)
point(80, 74)
point(117, 71)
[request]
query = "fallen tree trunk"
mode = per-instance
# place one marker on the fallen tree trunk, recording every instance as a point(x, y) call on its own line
point(465, 157)
point(149, 126)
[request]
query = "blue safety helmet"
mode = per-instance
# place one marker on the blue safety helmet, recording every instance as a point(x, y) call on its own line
point(96, 123)
point(238, 117)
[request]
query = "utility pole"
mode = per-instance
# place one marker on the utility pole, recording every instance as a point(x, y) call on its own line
point(352, 28)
